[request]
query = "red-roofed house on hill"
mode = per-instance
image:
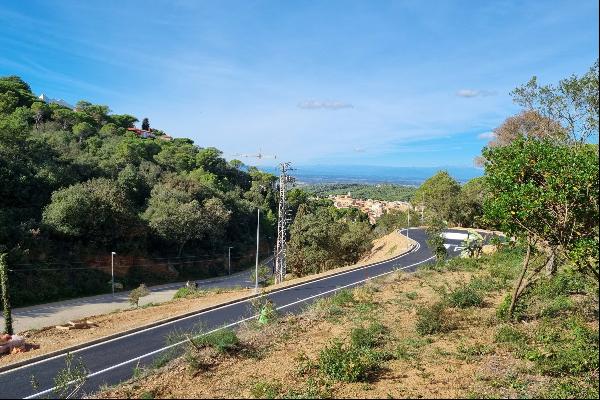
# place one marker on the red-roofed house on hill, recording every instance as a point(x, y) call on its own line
point(149, 135)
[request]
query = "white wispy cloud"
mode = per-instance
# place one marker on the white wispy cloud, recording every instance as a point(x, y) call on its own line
point(486, 135)
point(474, 93)
point(326, 105)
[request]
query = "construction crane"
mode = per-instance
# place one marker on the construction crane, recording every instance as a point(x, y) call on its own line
point(259, 155)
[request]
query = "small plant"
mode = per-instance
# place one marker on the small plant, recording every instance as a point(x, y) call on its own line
point(70, 379)
point(266, 390)
point(432, 319)
point(473, 352)
point(367, 338)
point(465, 296)
point(346, 363)
point(412, 295)
point(188, 292)
point(265, 308)
point(136, 294)
point(510, 335)
point(342, 298)
point(223, 341)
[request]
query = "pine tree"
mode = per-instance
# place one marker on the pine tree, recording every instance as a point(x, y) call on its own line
point(145, 124)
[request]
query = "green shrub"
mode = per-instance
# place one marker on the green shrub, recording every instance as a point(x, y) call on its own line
point(465, 296)
point(137, 293)
point(342, 298)
point(188, 292)
point(346, 363)
point(568, 348)
point(504, 306)
point(432, 319)
point(224, 340)
point(509, 334)
point(573, 388)
point(266, 390)
point(367, 338)
point(559, 305)
point(412, 295)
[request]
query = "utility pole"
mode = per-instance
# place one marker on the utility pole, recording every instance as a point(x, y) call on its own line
point(256, 267)
point(229, 258)
point(282, 222)
point(112, 271)
point(408, 224)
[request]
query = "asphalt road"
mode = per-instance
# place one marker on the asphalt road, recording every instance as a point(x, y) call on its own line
point(113, 361)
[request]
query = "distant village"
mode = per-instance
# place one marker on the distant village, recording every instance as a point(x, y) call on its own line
point(373, 208)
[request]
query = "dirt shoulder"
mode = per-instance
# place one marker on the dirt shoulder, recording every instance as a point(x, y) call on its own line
point(471, 353)
point(279, 363)
point(50, 339)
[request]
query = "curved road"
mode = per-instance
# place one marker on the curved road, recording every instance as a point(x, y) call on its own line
point(113, 361)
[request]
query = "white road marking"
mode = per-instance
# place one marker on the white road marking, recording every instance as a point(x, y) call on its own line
point(47, 391)
point(454, 235)
point(204, 312)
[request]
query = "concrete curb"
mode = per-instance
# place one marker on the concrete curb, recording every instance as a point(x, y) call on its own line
point(66, 350)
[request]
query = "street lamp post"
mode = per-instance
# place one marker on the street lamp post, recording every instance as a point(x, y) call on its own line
point(112, 271)
point(229, 258)
point(256, 267)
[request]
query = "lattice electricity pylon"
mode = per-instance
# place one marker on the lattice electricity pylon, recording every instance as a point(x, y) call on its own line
point(284, 218)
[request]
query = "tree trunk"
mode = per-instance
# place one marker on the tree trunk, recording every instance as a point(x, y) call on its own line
point(550, 264)
point(5, 295)
point(517, 292)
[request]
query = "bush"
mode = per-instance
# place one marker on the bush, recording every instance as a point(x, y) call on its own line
point(223, 340)
point(465, 296)
point(509, 334)
point(367, 338)
point(188, 292)
point(266, 390)
point(345, 363)
point(569, 348)
point(137, 293)
point(432, 319)
point(343, 298)
point(503, 307)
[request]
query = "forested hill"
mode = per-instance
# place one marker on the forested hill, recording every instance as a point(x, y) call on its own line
point(385, 192)
point(82, 181)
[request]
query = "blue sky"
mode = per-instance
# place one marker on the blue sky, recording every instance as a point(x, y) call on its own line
point(394, 83)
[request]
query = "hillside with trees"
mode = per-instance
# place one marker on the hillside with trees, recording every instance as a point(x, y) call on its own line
point(384, 192)
point(77, 184)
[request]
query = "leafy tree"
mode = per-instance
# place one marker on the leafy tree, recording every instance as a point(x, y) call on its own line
point(145, 124)
point(9, 101)
point(123, 120)
point(82, 130)
point(439, 194)
point(470, 203)
point(18, 88)
point(532, 197)
point(319, 240)
point(177, 156)
point(573, 103)
point(176, 216)
point(65, 117)
point(41, 111)
point(97, 210)
point(391, 221)
point(435, 240)
point(98, 113)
